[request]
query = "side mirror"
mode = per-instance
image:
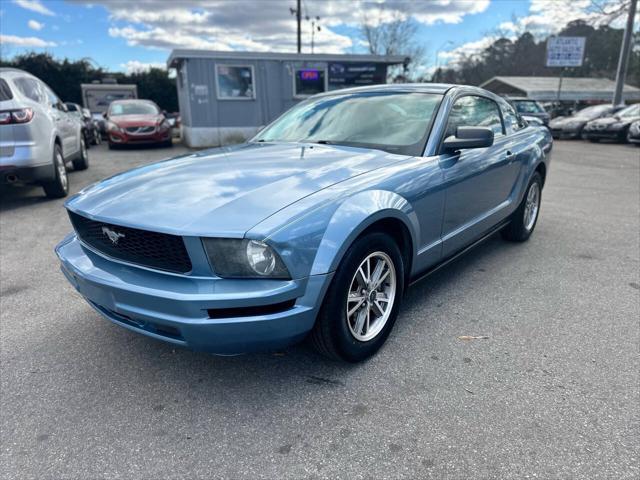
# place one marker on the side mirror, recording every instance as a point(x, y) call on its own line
point(469, 137)
point(104, 115)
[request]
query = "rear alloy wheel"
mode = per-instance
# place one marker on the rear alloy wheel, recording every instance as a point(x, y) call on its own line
point(524, 219)
point(363, 300)
point(82, 162)
point(59, 186)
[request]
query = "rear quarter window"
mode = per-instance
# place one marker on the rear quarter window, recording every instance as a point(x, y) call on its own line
point(5, 91)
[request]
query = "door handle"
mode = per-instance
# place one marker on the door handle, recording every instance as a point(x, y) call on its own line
point(510, 155)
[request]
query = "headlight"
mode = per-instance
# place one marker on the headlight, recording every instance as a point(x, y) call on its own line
point(243, 258)
point(165, 125)
point(113, 127)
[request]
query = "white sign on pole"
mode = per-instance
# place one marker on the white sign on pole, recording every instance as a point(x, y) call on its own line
point(565, 51)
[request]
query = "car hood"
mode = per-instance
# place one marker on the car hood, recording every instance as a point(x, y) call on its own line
point(606, 121)
point(225, 191)
point(136, 120)
point(561, 122)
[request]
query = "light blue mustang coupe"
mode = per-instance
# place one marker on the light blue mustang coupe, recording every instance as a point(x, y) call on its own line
point(313, 228)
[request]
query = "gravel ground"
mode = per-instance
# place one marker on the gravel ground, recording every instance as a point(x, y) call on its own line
point(553, 392)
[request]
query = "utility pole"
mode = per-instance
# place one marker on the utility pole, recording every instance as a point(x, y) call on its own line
point(623, 62)
point(298, 13)
point(299, 18)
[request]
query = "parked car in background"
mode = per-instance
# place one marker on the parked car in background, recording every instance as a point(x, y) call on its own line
point(90, 130)
point(633, 135)
point(530, 108)
point(39, 138)
point(101, 123)
point(612, 127)
point(137, 122)
point(572, 126)
point(316, 226)
point(534, 121)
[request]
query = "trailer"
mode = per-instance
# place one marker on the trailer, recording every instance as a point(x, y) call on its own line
point(98, 96)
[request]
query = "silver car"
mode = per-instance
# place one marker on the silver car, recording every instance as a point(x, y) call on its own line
point(39, 139)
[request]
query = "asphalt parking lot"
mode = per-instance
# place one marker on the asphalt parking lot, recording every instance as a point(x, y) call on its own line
point(553, 392)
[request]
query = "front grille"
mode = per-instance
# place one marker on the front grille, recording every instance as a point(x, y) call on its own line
point(140, 130)
point(150, 249)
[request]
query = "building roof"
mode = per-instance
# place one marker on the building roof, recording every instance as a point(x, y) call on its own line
point(546, 88)
point(177, 54)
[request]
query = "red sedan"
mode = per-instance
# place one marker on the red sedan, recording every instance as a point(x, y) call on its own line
point(132, 122)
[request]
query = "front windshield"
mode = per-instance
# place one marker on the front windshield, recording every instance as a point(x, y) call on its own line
point(396, 122)
point(132, 108)
point(593, 112)
point(629, 112)
point(528, 106)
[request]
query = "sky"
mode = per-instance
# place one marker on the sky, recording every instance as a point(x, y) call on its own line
point(129, 35)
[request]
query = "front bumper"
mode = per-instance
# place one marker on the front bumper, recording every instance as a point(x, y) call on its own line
point(176, 308)
point(124, 138)
point(565, 133)
point(603, 134)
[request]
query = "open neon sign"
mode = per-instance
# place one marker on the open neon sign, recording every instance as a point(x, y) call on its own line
point(309, 75)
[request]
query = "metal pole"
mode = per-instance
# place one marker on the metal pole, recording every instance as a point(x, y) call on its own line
point(559, 88)
point(299, 18)
point(623, 62)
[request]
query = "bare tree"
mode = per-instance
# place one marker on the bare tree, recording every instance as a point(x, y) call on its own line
point(390, 32)
point(608, 11)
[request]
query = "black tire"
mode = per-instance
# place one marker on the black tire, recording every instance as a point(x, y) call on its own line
point(82, 162)
point(518, 230)
point(331, 335)
point(167, 143)
point(594, 140)
point(112, 146)
point(59, 186)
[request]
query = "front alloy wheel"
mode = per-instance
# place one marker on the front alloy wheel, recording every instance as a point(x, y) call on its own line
point(363, 300)
point(371, 296)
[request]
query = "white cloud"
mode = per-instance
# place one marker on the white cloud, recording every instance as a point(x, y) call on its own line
point(34, 6)
point(25, 41)
point(264, 25)
point(550, 16)
point(468, 49)
point(134, 66)
point(34, 25)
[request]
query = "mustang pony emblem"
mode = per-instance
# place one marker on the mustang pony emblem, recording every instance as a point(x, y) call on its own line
point(112, 235)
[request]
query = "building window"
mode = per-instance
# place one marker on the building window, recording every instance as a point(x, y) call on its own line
point(309, 81)
point(235, 82)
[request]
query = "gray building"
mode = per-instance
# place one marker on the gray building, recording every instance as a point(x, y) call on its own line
point(225, 97)
point(574, 89)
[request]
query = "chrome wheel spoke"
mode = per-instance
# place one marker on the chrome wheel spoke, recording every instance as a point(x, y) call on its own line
point(363, 279)
point(361, 318)
point(358, 303)
point(377, 308)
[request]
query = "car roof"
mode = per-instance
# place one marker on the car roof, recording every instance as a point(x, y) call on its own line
point(13, 72)
point(134, 100)
point(398, 87)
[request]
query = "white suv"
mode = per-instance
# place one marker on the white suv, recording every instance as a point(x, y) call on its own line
point(39, 139)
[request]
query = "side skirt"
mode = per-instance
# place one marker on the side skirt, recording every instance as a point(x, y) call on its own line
point(459, 254)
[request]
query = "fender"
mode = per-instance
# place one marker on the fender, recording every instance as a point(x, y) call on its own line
point(354, 216)
point(314, 243)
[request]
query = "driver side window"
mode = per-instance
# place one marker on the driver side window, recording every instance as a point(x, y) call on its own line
point(472, 111)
